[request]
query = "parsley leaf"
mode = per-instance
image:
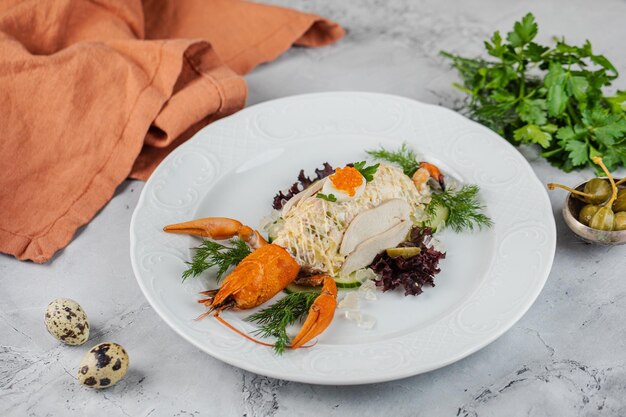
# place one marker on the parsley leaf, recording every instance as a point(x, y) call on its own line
point(329, 197)
point(495, 48)
point(618, 102)
point(607, 128)
point(614, 156)
point(578, 152)
point(523, 31)
point(577, 86)
point(533, 134)
point(557, 93)
point(534, 52)
point(367, 172)
point(569, 133)
point(533, 111)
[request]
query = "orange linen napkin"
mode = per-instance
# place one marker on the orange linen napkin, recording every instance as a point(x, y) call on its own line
point(95, 91)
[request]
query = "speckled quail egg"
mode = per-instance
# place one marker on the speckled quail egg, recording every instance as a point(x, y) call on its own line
point(104, 365)
point(67, 321)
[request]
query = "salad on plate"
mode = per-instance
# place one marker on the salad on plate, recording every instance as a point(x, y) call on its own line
point(343, 234)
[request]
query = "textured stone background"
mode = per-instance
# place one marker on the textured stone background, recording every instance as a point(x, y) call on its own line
point(565, 357)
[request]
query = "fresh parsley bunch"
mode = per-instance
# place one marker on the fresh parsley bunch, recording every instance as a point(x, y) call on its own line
point(552, 97)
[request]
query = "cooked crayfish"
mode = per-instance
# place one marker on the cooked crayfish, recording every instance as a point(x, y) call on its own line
point(260, 276)
point(425, 172)
point(315, 236)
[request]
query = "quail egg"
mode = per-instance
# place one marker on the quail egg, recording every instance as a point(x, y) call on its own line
point(345, 184)
point(104, 365)
point(67, 321)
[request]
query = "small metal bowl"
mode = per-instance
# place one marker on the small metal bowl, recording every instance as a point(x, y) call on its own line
point(571, 209)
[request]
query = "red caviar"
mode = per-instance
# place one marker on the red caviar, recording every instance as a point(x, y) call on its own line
point(347, 179)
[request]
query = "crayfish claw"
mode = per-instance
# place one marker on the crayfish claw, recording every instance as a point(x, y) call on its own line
point(320, 314)
point(218, 228)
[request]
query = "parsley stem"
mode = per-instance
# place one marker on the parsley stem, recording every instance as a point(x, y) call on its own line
point(548, 154)
point(522, 71)
point(572, 113)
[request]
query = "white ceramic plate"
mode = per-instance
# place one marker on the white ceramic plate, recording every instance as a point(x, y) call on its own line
point(235, 166)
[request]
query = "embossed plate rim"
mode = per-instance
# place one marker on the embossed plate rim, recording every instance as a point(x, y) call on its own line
point(293, 367)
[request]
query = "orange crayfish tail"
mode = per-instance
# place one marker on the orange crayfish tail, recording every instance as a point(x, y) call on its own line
point(320, 314)
point(434, 173)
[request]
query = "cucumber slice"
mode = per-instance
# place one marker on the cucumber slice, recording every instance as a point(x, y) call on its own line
point(343, 282)
point(354, 280)
point(438, 220)
point(351, 281)
point(291, 288)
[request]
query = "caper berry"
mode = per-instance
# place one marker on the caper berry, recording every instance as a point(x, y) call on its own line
point(619, 222)
point(586, 213)
point(603, 219)
point(620, 202)
point(598, 189)
point(599, 195)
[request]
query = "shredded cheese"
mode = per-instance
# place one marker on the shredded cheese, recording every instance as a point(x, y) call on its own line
point(312, 230)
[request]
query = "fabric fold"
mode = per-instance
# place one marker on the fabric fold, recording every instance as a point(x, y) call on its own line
point(94, 92)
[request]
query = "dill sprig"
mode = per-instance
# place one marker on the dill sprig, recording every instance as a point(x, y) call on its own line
point(404, 157)
point(210, 254)
point(465, 211)
point(275, 319)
